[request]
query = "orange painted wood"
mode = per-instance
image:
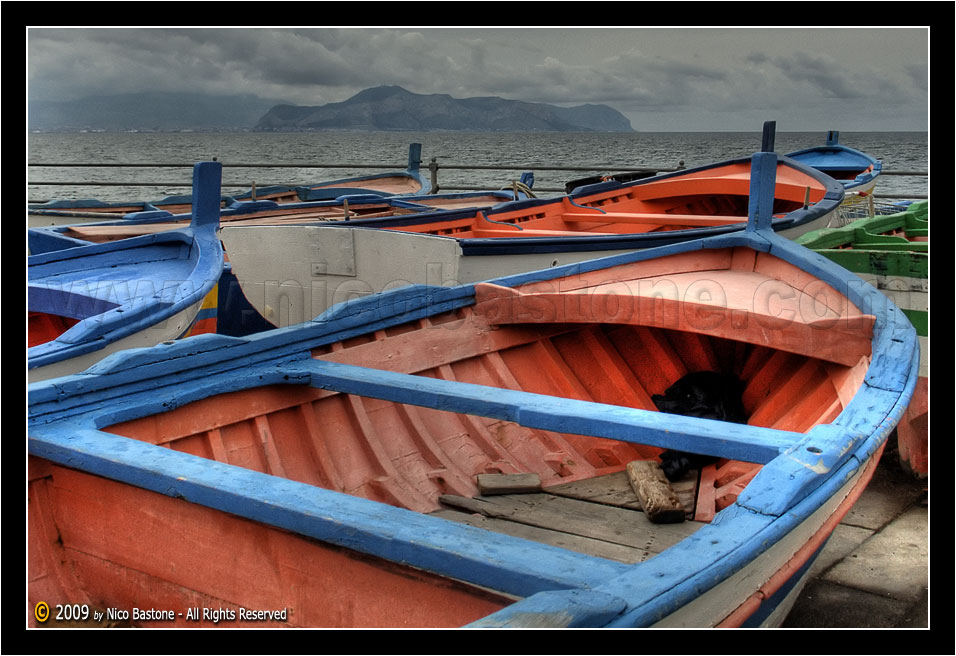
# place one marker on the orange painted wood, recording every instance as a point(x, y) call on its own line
point(166, 553)
point(690, 220)
point(43, 327)
point(913, 431)
point(706, 494)
point(409, 456)
point(629, 302)
point(489, 233)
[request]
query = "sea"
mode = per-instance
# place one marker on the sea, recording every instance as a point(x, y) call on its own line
point(499, 159)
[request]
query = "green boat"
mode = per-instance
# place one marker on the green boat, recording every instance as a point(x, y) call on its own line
point(891, 252)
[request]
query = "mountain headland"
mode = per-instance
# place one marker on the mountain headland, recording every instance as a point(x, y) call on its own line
point(395, 108)
point(378, 108)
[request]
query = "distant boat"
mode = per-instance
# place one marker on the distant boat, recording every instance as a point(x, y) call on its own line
point(292, 262)
point(349, 207)
point(335, 473)
point(395, 183)
point(855, 170)
point(891, 252)
point(290, 273)
point(92, 300)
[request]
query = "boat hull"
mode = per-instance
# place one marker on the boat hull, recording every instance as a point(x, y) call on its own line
point(891, 253)
point(90, 300)
point(174, 327)
point(361, 436)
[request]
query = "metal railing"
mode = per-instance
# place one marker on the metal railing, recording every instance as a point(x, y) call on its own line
point(433, 167)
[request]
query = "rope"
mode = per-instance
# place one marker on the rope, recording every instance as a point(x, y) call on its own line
point(520, 186)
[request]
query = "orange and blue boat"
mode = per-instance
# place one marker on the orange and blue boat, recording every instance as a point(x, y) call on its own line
point(89, 300)
point(348, 471)
point(289, 263)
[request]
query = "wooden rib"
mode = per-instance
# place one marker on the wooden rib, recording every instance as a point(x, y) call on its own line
point(269, 447)
point(327, 472)
point(563, 375)
point(695, 350)
point(433, 453)
point(214, 439)
point(781, 399)
point(668, 365)
point(500, 456)
point(620, 376)
point(706, 494)
point(45, 535)
point(558, 446)
point(390, 481)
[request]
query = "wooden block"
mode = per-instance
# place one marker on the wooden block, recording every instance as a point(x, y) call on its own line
point(489, 484)
point(653, 490)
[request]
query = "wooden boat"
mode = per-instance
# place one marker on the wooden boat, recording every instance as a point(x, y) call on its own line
point(350, 207)
point(891, 252)
point(409, 182)
point(88, 301)
point(287, 264)
point(309, 476)
point(855, 170)
point(324, 264)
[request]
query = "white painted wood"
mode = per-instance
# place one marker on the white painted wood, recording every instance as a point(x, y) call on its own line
point(291, 274)
point(171, 328)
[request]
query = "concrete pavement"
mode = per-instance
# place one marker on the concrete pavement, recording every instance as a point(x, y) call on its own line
point(874, 570)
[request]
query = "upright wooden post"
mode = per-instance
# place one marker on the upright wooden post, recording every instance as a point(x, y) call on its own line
point(769, 134)
point(207, 194)
point(763, 179)
point(414, 156)
point(433, 167)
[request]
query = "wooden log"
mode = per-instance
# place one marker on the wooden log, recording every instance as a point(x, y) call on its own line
point(489, 484)
point(658, 499)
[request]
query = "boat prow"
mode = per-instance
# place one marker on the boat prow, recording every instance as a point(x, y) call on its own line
point(90, 300)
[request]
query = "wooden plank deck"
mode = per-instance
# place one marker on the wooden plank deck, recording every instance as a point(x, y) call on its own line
point(600, 516)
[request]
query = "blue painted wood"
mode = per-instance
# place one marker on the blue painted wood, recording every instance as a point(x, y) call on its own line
point(137, 282)
point(723, 439)
point(763, 172)
point(794, 482)
point(511, 565)
point(837, 158)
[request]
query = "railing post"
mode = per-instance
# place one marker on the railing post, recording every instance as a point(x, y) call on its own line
point(433, 168)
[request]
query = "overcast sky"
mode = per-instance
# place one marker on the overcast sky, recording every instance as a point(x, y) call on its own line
point(662, 79)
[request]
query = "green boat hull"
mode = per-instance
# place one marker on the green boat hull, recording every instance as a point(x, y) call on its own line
point(891, 252)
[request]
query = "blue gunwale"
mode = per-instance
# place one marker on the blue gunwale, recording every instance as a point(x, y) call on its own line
point(833, 156)
point(179, 266)
point(47, 237)
point(66, 417)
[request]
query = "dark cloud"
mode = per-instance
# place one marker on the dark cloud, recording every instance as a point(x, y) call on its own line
point(702, 73)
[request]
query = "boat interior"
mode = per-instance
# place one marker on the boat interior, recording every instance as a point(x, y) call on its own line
point(713, 197)
point(426, 457)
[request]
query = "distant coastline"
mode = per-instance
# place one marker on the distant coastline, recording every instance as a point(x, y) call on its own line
point(386, 108)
